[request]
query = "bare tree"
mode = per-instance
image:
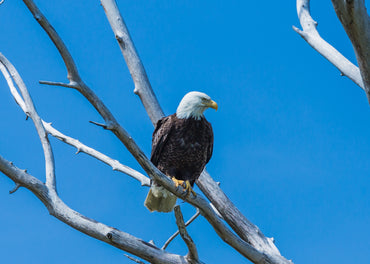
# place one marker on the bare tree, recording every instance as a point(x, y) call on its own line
point(229, 223)
point(355, 20)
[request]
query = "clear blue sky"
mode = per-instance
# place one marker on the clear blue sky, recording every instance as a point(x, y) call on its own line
point(291, 135)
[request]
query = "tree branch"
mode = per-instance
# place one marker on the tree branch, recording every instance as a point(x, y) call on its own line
point(312, 36)
point(356, 22)
point(230, 211)
point(177, 232)
point(115, 164)
point(30, 110)
point(100, 231)
point(193, 253)
point(142, 85)
point(241, 246)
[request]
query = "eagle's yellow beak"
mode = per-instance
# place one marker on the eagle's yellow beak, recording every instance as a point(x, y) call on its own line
point(213, 104)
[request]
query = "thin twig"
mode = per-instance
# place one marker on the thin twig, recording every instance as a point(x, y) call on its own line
point(134, 259)
point(17, 185)
point(177, 232)
point(193, 253)
point(99, 124)
point(68, 85)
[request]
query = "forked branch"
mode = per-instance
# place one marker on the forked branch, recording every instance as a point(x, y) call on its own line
point(192, 256)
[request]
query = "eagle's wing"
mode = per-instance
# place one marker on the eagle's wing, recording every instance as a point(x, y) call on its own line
point(210, 142)
point(160, 137)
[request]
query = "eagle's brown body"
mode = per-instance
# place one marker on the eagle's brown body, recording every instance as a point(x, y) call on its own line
point(180, 148)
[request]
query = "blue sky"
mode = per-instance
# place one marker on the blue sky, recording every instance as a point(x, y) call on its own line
point(291, 134)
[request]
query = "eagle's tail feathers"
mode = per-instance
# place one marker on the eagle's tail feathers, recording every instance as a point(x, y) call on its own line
point(159, 199)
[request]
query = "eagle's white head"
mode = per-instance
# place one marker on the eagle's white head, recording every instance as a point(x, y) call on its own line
point(194, 104)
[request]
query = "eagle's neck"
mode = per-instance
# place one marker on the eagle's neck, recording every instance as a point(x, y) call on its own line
point(188, 111)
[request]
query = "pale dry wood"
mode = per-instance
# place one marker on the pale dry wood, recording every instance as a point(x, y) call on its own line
point(115, 164)
point(100, 231)
point(30, 110)
point(231, 214)
point(313, 38)
point(142, 85)
point(169, 240)
point(192, 255)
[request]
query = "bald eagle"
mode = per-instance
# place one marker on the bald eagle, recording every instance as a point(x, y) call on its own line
point(182, 145)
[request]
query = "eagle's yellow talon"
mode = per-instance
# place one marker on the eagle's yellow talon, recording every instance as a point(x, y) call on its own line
point(177, 182)
point(189, 189)
point(186, 185)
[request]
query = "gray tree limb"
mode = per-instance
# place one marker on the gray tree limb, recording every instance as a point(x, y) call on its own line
point(142, 85)
point(115, 164)
point(177, 232)
point(312, 36)
point(192, 255)
point(100, 231)
point(246, 230)
point(30, 111)
point(356, 22)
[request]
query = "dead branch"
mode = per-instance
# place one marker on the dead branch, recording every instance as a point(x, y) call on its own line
point(177, 232)
point(230, 213)
point(192, 255)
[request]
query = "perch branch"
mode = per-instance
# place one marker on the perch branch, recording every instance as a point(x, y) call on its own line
point(177, 232)
point(229, 237)
point(313, 38)
point(193, 253)
point(356, 22)
point(230, 213)
point(30, 110)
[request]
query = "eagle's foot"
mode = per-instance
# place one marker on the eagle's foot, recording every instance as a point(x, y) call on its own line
point(177, 182)
point(189, 189)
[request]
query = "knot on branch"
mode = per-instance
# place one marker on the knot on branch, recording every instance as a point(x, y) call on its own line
point(109, 235)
